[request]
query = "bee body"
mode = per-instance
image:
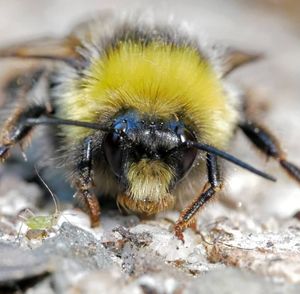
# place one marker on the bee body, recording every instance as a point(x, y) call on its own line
point(133, 102)
point(160, 74)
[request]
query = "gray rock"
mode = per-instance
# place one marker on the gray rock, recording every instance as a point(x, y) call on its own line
point(17, 264)
point(72, 253)
point(235, 281)
point(76, 253)
point(78, 245)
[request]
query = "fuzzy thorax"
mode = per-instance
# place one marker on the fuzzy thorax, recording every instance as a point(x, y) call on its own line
point(149, 182)
point(156, 79)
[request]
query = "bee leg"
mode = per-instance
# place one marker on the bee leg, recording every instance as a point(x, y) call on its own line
point(84, 184)
point(213, 185)
point(15, 130)
point(269, 145)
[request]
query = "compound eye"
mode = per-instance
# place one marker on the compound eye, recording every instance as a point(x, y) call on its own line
point(187, 159)
point(188, 155)
point(113, 151)
point(185, 135)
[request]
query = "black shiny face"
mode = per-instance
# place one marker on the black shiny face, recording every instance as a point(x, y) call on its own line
point(134, 138)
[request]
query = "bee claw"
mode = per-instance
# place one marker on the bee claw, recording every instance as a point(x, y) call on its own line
point(179, 233)
point(3, 152)
point(95, 224)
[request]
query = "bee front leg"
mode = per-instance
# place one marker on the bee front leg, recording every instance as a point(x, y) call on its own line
point(269, 145)
point(213, 185)
point(84, 184)
point(15, 130)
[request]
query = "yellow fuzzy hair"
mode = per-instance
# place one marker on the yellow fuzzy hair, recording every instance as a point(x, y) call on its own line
point(149, 179)
point(156, 79)
point(148, 192)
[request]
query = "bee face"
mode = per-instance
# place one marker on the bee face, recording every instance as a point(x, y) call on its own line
point(148, 155)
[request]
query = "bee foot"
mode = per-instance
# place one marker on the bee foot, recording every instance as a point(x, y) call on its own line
point(179, 233)
point(95, 224)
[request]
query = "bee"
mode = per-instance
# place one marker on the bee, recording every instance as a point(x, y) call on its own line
point(140, 111)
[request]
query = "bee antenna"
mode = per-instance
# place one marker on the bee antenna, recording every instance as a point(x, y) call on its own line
point(228, 157)
point(59, 121)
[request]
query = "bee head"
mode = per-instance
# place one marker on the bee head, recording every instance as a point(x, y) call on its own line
point(146, 154)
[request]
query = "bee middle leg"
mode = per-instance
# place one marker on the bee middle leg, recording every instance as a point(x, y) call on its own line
point(269, 145)
point(15, 130)
point(213, 186)
point(84, 183)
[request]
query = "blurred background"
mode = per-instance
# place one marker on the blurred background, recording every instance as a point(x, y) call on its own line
point(271, 27)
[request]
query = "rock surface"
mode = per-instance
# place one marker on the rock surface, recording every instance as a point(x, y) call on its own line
point(248, 242)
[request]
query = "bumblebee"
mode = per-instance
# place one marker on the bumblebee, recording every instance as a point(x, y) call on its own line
point(140, 111)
